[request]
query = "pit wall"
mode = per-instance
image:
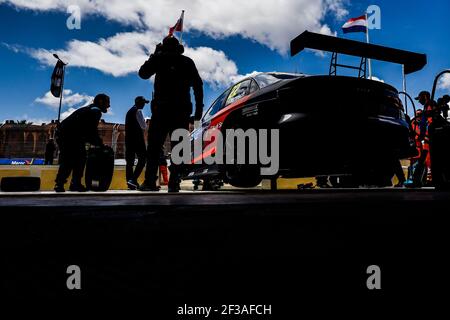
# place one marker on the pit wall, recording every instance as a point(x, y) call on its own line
point(48, 174)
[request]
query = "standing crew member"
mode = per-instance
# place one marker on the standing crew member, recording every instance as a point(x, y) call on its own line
point(134, 142)
point(424, 99)
point(73, 134)
point(171, 105)
point(49, 152)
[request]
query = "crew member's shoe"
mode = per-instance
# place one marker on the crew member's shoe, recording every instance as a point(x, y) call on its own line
point(132, 185)
point(410, 184)
point(400, 184)
point(59, 188)
point(174, 187)
point(149, 187)
point(77, 188)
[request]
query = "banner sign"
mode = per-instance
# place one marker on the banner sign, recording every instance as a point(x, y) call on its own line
point(21, 161)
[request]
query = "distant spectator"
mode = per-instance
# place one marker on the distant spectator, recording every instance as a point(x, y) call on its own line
point(49, 152)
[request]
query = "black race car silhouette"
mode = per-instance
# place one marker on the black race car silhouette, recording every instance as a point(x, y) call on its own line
point(328, 124)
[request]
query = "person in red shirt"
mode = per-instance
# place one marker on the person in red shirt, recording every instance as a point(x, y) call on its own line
point(424, 99)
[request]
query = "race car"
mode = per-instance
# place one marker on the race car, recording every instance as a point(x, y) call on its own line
point(327, 125)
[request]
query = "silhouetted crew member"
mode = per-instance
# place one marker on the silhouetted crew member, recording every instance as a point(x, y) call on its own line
point(398, 172)
point(429, 110)
point(73, 133)
point(135, 126)
point(171, 105)
point(424, 99)
point(49, 152)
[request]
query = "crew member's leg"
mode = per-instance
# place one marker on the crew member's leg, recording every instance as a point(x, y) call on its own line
point(79, 162)
point(65, 166)
point(156, 136)
point(176, 170)
point(142, 159)
point(129, 158)
point(398, 171)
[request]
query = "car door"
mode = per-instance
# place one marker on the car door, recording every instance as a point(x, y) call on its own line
point(206, 123)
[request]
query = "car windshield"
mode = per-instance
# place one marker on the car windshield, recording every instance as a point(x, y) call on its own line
point(266, 79)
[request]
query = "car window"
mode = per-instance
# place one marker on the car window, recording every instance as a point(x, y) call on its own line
point(253, 87)
point(266, 79)
point(217, 105)
point(238, 91)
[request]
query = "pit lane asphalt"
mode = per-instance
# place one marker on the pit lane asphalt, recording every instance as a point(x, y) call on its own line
point(219, 198)
point(238, 244)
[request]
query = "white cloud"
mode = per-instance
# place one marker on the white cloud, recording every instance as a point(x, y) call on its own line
point(71, 102)
point(70, 99)
point(444, 82)
point(71, 110)
point(243, 76)
point(33, 120)
point(337, 7)
point(272, 23)
point(118, 55)
point(124, 53)
point(214, 66)
point(67, 113)
point(377, 79)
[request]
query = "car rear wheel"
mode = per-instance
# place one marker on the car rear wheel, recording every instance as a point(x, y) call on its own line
point(243, 176)
point(240, 175)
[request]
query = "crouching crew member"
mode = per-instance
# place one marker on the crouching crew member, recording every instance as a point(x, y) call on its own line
point(72, 135)
point(134, 142)
point(171, 105)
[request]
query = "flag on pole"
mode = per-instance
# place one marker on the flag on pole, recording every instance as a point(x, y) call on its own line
point(356, 25)
point(178, 26)
point(57, 79)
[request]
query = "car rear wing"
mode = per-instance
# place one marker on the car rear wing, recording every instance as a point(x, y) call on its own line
point(412, 61)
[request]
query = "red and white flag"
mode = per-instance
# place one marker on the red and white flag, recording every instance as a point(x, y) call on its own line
point(178, 26)
point(355, 25)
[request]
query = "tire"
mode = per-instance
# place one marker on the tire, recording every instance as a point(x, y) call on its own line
point(243, 176)
point(99, 169)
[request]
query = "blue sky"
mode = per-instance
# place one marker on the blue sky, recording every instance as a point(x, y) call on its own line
point(225, 42)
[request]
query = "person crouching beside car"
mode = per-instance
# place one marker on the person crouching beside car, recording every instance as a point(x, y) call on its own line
point(72, 135)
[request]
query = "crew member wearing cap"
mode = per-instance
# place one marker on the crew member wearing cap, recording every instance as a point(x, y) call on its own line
point(72, 135)
point(175, 75)
point(134, 142)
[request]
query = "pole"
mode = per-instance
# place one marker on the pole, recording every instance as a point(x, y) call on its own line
point(182, 27)
point(404, 86)
point(368, 41)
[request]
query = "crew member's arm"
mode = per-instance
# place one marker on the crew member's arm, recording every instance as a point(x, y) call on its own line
point(91, 128)
point(140, 119)
point(148, 69)
point(197, 85)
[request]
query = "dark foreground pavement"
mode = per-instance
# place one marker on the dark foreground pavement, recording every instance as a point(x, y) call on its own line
point(284, 248)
